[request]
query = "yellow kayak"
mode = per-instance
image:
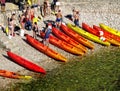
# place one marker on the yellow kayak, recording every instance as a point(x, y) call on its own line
point(109, 29)
point(88, 35)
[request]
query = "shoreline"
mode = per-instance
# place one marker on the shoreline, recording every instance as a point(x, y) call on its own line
point(89, 14)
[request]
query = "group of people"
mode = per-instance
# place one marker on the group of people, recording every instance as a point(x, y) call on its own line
point(30, 21)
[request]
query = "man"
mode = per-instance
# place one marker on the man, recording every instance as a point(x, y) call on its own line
point(58, 18)
point(47, 34)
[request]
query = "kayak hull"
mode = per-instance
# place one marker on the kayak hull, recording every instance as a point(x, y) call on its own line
point(76, 36)
point(113, 39)
point(13, 75)
point(88, 35)
point(95, 32)
point(45, 49)
point(25, 63)
point(63, 45)
point(69, 40)
point(109, 29)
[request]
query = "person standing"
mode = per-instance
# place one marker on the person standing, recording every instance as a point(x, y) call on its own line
point(45, 8)
point(58, 18)
point(48, 31)
point(11, 26)
point(76, 19)
point(35, 30)
point(22, 21)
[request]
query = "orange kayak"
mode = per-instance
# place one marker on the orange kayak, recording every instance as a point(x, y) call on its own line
point(76, 36)
point(106, 33)
point(44, 49)
point(8, 74)
point(68, 39)
point(64, 45)
point(95, 32)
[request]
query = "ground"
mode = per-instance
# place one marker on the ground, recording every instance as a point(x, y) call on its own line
point(93, 13)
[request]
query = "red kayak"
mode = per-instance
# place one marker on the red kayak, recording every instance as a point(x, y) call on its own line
point(63, 45)
point(76, 36)
point(44, 49)
point(66, 38)
point(25, 63)
point(106, 33)
point(97, 33)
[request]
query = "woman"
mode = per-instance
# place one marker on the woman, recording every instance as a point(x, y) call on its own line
point(22, 21)
point(11, 26)
point(35, 30)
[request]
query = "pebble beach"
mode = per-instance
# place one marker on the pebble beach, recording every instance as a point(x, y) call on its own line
point(92, 12)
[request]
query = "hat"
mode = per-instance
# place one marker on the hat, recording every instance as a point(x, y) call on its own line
point(49, 26)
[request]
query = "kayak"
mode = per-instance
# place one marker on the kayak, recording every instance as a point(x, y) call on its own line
point(107, 34)
point(97, 33)
point(76, 36)
point(88, 35)
point(63, 45)
point(44, 49)
point(68, 39)
point(109, 29)
point(25, 63)
point(9, 74)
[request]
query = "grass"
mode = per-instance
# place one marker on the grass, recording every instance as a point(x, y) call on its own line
point(95, 72)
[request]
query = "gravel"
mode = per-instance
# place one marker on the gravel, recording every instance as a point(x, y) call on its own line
point(91, 13)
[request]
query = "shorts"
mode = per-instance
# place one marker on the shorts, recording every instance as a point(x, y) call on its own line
point(10, 27)
point(76, 22)
point(58, 20)
point(47, 35)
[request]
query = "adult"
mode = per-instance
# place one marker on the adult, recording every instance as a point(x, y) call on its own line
point(47, 34)
point(76, 19)
point(22, 21)
point(48, 7)
point(53, 4)
point(73, 13)
point(45, 8)
point(11, 26)
point(28, 24)
point(35, 30)
point(58, 18)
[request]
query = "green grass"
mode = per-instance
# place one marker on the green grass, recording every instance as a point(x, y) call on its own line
point(95, 72)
